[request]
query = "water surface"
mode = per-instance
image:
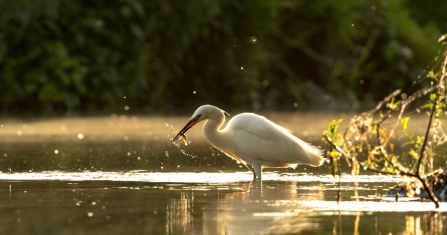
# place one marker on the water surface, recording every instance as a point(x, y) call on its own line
point(121, 175)
point(207, 203)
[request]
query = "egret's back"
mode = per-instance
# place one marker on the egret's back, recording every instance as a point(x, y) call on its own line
point(256, 139)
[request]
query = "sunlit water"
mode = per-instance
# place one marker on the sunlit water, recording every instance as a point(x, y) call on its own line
point(191, 177)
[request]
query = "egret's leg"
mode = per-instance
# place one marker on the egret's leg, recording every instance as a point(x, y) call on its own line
point(251, 169)
point(257, 170)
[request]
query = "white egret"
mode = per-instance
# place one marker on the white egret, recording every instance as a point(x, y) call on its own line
point(254, 140)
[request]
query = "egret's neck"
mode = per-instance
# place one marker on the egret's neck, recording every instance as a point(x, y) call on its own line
point(211, 129)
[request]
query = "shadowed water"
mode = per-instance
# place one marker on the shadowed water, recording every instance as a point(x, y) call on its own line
point(127, 182)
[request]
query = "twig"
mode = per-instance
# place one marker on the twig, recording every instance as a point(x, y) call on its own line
point(339, 182)
point(440, 90)
point(427, 132)
point(329, 140)
point(385, 100)
point(333, 145)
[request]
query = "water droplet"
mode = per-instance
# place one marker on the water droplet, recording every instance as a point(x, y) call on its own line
point(265, 83)
point(19, 132)
point(80, 136)
point(295, 105)
point(62, 128)
point(126, 108)
point(253, 39)
point(194, 92)
point(56, 151)
point(126, 138)
point(242, 68)
point(90, 214)
point(123, 118)
point(93, 203)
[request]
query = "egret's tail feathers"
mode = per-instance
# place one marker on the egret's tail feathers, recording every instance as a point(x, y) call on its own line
point(314, 155)
point(317, 160)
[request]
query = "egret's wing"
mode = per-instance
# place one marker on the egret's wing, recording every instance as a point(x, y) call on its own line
point(255, 137)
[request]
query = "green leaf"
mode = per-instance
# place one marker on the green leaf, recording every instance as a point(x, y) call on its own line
point(413, 153)
point(431, 74)
point(427, 106)
point(404, 122)
point(433, 97)
point(411, 142)
point(442, 38)
point(392, 105)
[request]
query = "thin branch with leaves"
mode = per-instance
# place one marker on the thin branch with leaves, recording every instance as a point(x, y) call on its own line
point(380, 156)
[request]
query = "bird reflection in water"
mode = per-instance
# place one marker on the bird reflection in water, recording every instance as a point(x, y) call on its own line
point(270, 208)
point(260, 207)
point(179, 214)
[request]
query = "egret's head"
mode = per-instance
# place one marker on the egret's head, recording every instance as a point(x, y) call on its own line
point(202, 113)
point(207, 111)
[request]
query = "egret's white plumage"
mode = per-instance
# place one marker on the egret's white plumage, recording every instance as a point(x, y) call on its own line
point(254, 140)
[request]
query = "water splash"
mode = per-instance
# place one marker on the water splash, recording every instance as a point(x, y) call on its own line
point(186, 142)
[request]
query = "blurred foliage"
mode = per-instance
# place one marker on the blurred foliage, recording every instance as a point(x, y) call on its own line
point(93, 57)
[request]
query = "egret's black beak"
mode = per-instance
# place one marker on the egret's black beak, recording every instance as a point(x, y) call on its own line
point(188, 125)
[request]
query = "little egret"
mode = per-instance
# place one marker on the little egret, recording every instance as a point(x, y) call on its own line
point(253, 139)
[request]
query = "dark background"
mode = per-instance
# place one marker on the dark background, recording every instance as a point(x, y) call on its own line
point(73, 57)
